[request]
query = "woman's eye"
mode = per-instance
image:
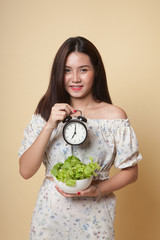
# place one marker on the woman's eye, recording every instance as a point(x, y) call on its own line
point(83, 70)
point(67, 70)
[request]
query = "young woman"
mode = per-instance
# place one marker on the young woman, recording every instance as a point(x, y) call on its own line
point(78, 81)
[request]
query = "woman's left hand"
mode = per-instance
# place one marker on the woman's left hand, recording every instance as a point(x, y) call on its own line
point(92, 191)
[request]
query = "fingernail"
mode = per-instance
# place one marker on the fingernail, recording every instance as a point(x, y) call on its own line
point(78, 193)
point(75, 111)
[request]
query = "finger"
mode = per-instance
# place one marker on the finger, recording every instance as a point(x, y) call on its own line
point(58, 115)
point(65, 194)
point(64, 107)
point(90, 191)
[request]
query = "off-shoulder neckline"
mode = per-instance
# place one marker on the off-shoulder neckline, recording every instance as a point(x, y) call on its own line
point(112, 120)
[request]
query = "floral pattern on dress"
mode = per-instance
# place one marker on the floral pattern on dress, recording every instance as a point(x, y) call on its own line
point(109, 142)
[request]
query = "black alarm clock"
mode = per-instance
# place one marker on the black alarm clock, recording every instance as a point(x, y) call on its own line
point(75, 130)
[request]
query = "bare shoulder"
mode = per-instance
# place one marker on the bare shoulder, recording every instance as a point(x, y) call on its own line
point(113, 112)
point(117, 112)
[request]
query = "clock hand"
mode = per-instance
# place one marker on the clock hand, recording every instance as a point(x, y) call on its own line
point(74, 132)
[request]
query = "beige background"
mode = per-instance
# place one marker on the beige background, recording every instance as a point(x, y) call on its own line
point(127, 36)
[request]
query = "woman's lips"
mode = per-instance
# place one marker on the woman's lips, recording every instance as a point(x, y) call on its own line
point(76, 88)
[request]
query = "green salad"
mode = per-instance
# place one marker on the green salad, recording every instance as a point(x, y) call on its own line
point(73, 169)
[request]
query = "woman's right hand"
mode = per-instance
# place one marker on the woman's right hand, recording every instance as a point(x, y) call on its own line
point(58, 113)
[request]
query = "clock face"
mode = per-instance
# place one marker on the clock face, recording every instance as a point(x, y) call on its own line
point(75, 132)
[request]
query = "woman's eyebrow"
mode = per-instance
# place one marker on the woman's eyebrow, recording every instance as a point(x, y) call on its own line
point(78, 67)
point(84, 66)
point(67, 67)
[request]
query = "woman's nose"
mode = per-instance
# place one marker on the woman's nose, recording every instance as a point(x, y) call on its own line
point(76, 77)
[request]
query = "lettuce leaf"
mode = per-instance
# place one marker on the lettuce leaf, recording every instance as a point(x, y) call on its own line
point(73, 169)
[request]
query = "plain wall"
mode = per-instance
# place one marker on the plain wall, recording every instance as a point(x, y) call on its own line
point(127, 34)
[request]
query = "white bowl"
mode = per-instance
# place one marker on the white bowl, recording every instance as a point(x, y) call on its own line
point(80, 185)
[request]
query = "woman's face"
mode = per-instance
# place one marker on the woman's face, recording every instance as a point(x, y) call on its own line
point(79, 75)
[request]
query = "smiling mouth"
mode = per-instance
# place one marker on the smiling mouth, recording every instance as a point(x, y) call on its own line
point(76, 88)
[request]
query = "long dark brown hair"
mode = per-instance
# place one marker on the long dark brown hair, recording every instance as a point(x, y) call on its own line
point(56, 92)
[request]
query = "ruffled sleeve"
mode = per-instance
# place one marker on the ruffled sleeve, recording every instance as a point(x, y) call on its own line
point(127, 151)
point(31, 132)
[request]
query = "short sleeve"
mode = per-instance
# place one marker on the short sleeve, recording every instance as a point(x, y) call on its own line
point(127, 151)
point(31, 132)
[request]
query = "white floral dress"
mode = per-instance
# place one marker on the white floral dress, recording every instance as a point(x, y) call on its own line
point(58, 218)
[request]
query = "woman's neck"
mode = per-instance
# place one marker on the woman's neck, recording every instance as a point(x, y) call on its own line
point(82, 104)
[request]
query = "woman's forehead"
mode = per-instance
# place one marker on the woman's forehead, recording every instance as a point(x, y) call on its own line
point(78, 59)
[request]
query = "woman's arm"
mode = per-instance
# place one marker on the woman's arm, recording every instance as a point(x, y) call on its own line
point(31, 159)
point(118, 181)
